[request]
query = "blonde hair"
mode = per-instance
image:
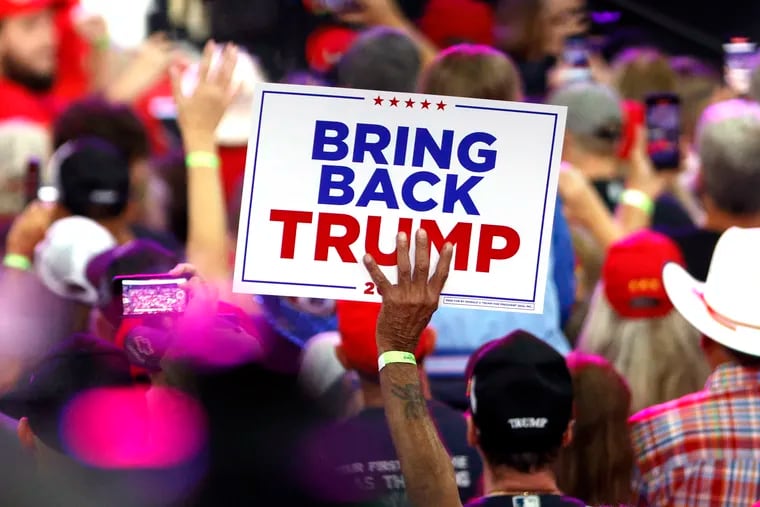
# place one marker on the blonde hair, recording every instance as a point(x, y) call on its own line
point(641, 71)
point(660, 358)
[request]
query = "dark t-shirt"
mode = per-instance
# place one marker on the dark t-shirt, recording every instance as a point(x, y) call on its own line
point(526, 501)
point(360, 452)
point(668, 212)
point(697, 246)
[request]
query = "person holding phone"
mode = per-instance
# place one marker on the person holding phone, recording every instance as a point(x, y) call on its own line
point(593, 136)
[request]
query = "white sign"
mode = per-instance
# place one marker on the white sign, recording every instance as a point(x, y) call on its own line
point(334, 173)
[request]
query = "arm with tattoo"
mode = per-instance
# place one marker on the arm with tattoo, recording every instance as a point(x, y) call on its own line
point(407, 308)
point(425, 463)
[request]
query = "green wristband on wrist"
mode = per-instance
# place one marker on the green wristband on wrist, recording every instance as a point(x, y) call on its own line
point(638, 199)
point(202, 159)
point(395, 356)
point(102, 43)
point(17, 261)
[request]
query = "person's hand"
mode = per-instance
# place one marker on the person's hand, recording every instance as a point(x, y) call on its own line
point(642, 174)
point(185, 270)
point(408, 305)
point(149, 64)
point(373, 13)
point(199, 114)
point(92, 28)
point(29, 228)
point(576, 191)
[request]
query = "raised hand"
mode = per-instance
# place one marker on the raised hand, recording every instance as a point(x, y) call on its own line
point(199, 113)
point(410, 303)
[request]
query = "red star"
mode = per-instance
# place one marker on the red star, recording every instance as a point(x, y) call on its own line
point(410, 103)
point(378, 101)
point(394, 102)
point(441, 106)
point(425, 104)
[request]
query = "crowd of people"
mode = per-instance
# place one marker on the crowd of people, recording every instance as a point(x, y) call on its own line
point(637, 385)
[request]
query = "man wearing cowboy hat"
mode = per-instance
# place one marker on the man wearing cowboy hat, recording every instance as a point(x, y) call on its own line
point(702, 449)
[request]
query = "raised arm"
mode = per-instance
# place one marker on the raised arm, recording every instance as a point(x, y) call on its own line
point(407, 309)
point(199, 114)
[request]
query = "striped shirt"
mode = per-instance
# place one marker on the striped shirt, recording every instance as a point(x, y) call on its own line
point(703, 449)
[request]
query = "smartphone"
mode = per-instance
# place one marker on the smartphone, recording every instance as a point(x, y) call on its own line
point(151, 295)
point(663, 122)
point(575, 55)
point(32, 179)
point(740, 56)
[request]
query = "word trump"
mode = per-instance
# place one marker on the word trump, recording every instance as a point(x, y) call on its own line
point(437, 174)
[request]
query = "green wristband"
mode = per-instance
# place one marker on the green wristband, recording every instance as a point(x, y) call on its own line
point(202, 159)
point(102, 43)
point(395, 356)
point(17, 261)
point(638, 199)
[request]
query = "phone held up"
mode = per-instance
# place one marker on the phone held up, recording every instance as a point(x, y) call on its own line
point(575, 56)
point(663, 123)
point(151, 295)
point(740, 55)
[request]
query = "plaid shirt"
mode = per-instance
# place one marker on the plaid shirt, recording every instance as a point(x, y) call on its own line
point(703, 449)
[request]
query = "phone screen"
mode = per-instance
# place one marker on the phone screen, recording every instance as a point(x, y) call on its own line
point(576, 52)
point(153, 296)
point(575, 57)
point(663, 118)
point(740, 57)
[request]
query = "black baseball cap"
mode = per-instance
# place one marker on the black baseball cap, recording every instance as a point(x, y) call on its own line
point(91, 177)
point(521, 393)
point(76, 365)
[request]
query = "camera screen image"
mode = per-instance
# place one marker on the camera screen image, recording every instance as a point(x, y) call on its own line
point(153, 297)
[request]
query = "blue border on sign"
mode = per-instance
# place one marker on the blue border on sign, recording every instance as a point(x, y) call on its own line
point(460, 106)
point(546, 198)
point(253, 181)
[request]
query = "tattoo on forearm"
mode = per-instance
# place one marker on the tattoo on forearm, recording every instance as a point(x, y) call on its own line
point(415, 406)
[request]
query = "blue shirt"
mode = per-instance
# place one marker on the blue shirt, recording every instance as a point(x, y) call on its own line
point(461, 331)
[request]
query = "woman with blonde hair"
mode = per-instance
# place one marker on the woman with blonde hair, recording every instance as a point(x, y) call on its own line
point(598, 464)
point(632, 323)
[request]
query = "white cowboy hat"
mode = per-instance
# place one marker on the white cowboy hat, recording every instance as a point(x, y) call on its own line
point(724, 308)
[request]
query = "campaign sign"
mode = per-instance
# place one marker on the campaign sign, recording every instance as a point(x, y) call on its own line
point(334, 173)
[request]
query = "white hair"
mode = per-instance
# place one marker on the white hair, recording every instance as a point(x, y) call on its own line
point(660, 358)
point(728, 141)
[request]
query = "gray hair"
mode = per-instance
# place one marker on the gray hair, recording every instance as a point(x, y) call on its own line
point(660, 358)
point(728, 141)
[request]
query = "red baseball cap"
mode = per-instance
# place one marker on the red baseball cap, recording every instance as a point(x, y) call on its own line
point(357, 322)
point(448, 22)
point(325, 46)
point(632, 275)
point(14, 7)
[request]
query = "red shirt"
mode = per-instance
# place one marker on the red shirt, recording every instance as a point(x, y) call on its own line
point(17, 102)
